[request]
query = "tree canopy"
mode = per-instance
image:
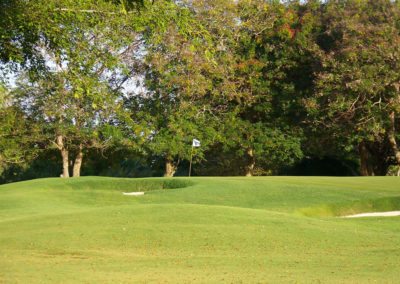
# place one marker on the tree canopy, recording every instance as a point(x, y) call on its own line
point(264, 85)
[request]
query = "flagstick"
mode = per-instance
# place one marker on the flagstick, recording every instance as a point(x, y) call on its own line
point(191, 158)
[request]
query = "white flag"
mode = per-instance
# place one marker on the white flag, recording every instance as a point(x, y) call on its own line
point(195, 143)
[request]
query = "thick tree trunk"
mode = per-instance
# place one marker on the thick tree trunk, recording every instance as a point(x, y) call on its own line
point(78, 163)
point(170, 167)
point(392, 138)
point(65, 162)
point(366, 167)
point(64, 156)
point(251, 162)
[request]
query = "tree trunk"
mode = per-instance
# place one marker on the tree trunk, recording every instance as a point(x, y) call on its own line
point(78, 162)
point(366, 167)
point(64, 156)
point(392, 138)
point(251, 162)
point(170, 167)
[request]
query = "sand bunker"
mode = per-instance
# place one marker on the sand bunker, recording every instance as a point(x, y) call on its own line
point(136, 193)
point(375, 214)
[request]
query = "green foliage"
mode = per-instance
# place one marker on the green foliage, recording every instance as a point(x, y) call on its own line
point(15, 129)
point(178, 79)
point(73, 93)
point(264, 83)
point(356, 85)
point(265, 73)
point(357, 76)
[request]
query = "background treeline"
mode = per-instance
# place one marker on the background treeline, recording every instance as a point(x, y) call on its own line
point(122, 87)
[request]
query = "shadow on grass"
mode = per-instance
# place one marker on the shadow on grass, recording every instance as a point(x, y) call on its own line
point(152, 185)
point(127, 184)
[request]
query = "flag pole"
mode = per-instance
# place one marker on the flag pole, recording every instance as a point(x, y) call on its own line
point(191, 158)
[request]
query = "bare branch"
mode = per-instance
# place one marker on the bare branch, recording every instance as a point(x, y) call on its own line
point(91, 11)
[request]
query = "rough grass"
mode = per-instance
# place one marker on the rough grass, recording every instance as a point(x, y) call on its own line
point(204, 230)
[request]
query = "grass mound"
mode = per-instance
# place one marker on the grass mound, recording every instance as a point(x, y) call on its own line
point(354, 207)
point(101, 183)
point(200, 230)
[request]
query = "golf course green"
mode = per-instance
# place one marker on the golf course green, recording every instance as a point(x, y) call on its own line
point(199, 230)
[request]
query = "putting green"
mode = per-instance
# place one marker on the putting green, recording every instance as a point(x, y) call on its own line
point(204, 230)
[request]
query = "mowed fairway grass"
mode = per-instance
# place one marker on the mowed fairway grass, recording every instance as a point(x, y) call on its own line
point(199, 230)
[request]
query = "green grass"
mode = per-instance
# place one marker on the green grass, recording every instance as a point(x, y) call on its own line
point(202, 230)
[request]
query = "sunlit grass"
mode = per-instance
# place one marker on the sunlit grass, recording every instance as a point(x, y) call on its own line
point(207, 230)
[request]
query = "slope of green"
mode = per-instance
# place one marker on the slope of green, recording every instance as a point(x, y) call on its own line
point(204, 230)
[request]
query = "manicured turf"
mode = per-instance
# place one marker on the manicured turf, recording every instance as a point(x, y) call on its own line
point(204, 230)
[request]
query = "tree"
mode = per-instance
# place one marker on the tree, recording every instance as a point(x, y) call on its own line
point(253, 49)
point(262, 108)
point(358, 83)
point(74, 93)
point(79, 62)
point(15, 147)
point(177, 83)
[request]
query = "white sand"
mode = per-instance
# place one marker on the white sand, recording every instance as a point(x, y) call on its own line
point(375, 214)
point(137, 193)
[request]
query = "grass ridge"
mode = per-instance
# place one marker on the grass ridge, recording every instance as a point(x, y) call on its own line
point(355, 207)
